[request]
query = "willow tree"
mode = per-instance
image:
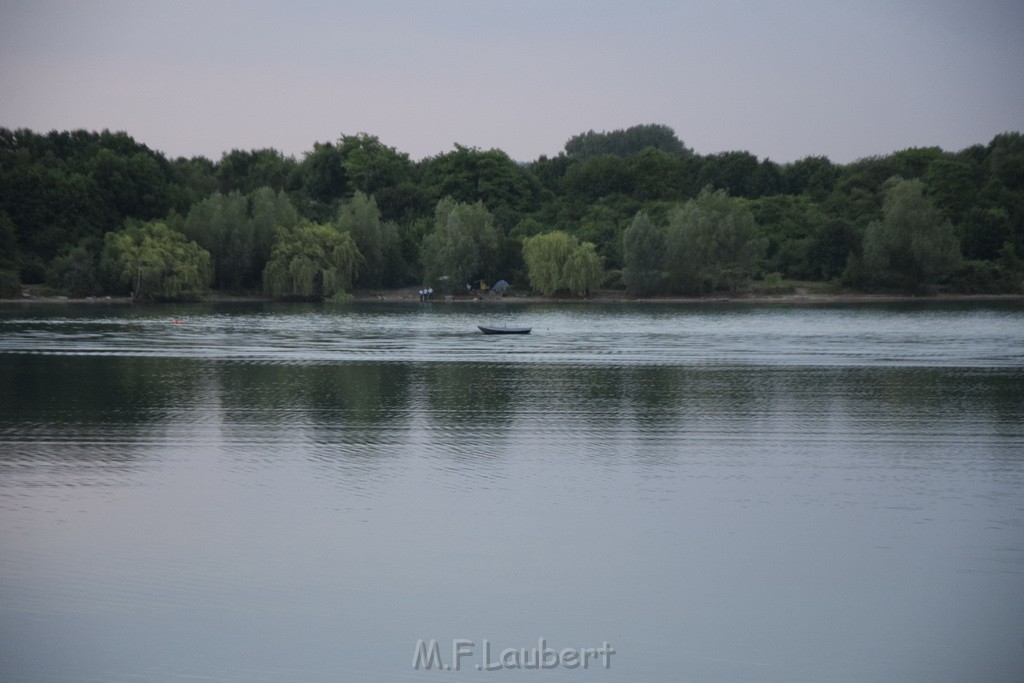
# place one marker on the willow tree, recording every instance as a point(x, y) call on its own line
point(311, 261)
point(557, 261)
point(583, 271)
point(545, 256)
point(154, 262)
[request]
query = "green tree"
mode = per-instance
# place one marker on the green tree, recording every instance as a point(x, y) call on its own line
point(322, 181)
point(549, 171)
point(583, 271)
point(8, 242)
point(220, 224)
point(10, 269)
point(509, 263)
point(528, 227)
point(403, 203)
point(76, 271)
point(372, 166)
point(813, 176)
point(268, 212)
point(1003, 275)
point(51, 208)
point(154, 262)
point(377, 242)
point(915, 161)
point(951, 185)
point(191, 180)
point(545, 256)
point(984, 231)
point(239, 232)
point(603, 224)
point(133, 185)
point(859, 190)
point(643, 246)
point(558, 261)
point(660, 175)
point(913, 245)
point(245, 171)
point(598, 177)
point(712, 242)
point(832, 246)
point(463, 245)
point(790, 223)
point(738, 173)
point(624, 143)
point(1006, 160)
point(468, 174)
point(311, 261)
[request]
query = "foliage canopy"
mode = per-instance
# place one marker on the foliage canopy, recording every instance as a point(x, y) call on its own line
point(311, 261)
point(913, 245)
point(712, 241)
point(558, 261)
point(643, 250)
point(465, 214)
point(154, 262)
point(462, 246)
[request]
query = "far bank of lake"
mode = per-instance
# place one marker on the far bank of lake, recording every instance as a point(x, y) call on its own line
point(410, 295)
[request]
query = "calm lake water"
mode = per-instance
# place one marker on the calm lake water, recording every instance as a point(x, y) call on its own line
point(719, 492)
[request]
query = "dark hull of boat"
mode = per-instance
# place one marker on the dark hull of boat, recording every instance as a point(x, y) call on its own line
point(504, 330)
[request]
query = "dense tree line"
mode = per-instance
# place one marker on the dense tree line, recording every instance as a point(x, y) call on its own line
point(89, 213)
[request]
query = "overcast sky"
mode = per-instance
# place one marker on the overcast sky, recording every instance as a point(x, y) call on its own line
point(782, 79)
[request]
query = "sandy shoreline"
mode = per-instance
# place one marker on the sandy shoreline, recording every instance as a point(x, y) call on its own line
point(410, 296)
point(610, 297)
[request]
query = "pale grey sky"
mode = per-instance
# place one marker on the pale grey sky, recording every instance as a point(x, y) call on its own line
point(783, 79)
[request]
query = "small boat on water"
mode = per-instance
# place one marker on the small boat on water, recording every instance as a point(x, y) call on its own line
point(504, 330)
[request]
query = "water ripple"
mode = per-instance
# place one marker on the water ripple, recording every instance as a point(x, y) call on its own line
point(982, 336)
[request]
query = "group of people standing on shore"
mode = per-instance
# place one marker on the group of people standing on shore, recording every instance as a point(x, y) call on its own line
point(427, 294)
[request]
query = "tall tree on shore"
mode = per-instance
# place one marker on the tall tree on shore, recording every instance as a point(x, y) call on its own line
point(913, 245)
point(311, 261)
point(462, 246)
point(583, 271)
point(220, 225)
point(269, 212)
point(557, 261)
point(151, 261)
point(239, 231)
point(377, 241)
point(545, 256)
point(712, 242)
point(642, 253)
